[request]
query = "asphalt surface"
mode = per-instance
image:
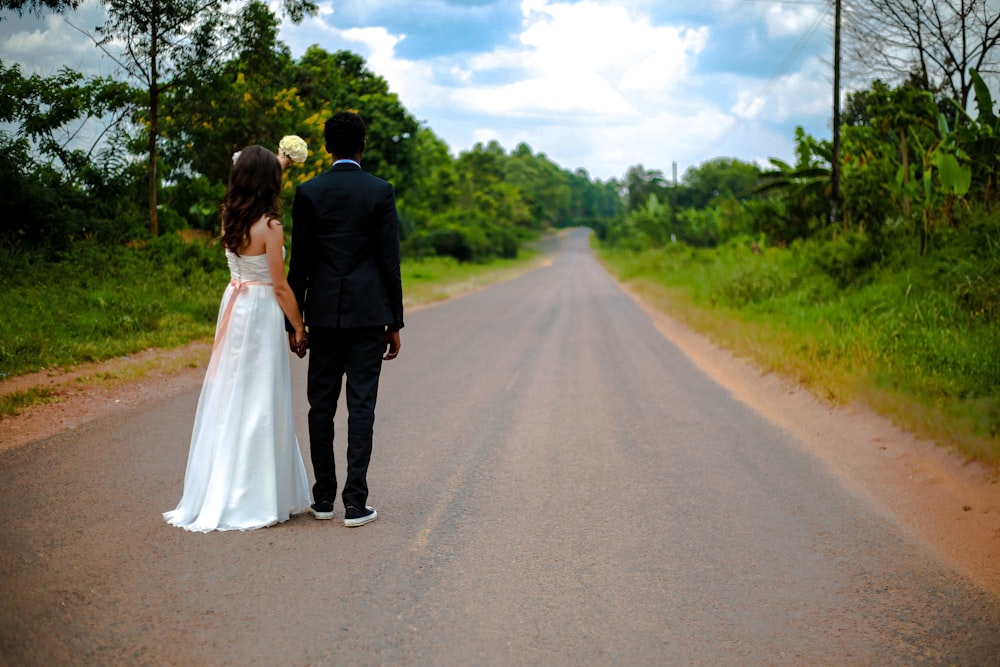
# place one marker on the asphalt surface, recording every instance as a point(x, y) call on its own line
point(557, 485)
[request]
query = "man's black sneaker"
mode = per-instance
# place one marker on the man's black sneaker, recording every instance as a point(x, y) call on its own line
point(355, 517)
point(322, 509)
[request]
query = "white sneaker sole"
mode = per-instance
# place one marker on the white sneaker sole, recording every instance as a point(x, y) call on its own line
point(321, 515)
point(354, 523)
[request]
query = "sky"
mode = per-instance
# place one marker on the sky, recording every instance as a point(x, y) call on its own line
point(599, 85)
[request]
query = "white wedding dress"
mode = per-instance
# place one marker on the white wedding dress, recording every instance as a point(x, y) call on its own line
point(244, 467)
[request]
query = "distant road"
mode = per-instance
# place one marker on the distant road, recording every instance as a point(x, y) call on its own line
point(557, 484)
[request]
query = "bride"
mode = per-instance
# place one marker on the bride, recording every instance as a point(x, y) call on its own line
point(244, 467)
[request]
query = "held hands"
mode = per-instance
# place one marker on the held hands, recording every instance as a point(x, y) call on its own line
point(298, 342)
point(392, 345)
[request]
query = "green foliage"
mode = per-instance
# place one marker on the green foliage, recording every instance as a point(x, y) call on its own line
point(981, 137)
point(715, 181)
point(641, 184)
point(99, 301)
point(169, 43)
point(55, 194)
point(483, 204)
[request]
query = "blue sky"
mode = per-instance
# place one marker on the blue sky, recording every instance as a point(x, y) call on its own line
point(595, 84)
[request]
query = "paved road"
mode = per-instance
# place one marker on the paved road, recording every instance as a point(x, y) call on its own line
point(557, 485)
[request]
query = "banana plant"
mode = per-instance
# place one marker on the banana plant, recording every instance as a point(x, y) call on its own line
point(981, 136)
point(946, 173)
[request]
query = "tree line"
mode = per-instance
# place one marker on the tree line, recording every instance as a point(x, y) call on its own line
point(914, 166)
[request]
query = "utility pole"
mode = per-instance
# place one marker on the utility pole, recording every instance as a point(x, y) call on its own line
point(673, 207)
point(835, 159)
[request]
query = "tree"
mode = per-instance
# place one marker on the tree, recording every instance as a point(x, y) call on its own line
point(718, 178)
point(249, 99)
point(52, 189)
point(168, 41)
point(931, 44)
point(640, 184)
point(544, 185)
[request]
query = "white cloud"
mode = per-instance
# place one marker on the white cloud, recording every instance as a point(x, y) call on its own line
point(806, 92)
point(786, 20)
point(44, 46)
point(623, 51)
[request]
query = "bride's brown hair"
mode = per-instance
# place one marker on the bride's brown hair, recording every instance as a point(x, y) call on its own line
point(254, 190)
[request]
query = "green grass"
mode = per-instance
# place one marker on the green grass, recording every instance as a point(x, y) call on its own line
point(439, 278)
point(916, 338)
point(12, 403)
point(99, 302)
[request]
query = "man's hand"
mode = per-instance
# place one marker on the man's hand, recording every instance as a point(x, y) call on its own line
point(392, 345)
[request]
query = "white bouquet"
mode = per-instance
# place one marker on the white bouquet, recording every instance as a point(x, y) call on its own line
point(294, 148)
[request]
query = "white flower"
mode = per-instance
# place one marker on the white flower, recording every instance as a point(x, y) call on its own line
point(236, 156)
point(294, 148)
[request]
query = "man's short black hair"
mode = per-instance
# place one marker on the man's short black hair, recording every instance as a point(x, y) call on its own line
point(344, 133)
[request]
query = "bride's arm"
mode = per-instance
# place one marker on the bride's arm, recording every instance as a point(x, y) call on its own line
point(274, 241)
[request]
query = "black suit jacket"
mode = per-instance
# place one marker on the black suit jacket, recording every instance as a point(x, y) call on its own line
point(344, 268)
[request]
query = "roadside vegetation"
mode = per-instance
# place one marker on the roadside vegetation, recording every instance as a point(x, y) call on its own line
point(916, 339)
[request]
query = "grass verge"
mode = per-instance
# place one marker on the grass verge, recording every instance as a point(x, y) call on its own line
point(897, 339)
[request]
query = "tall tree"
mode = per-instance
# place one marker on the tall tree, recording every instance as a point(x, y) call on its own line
point(640, 183)
point(718, 179)
point(932, 44)
point(164, 42)
point(250, 99)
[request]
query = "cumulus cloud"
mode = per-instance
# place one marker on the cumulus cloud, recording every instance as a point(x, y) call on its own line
point(45, 45)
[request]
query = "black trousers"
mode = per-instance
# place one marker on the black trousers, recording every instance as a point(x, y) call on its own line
point(333, 355)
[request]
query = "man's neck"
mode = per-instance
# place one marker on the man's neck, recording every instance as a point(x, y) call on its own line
point(349, 158)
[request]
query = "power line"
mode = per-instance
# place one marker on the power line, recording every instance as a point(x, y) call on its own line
point(766, 89)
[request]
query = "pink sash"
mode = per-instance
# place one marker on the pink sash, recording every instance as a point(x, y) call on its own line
point(240, 286)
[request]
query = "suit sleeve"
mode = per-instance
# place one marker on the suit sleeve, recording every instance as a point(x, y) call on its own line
point(298, 265)
point(389, 256)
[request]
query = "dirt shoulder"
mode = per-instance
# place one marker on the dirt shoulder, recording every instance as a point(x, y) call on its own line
point(951, 506)
point(91, 391)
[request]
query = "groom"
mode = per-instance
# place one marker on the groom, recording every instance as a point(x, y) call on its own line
point(344, 271)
